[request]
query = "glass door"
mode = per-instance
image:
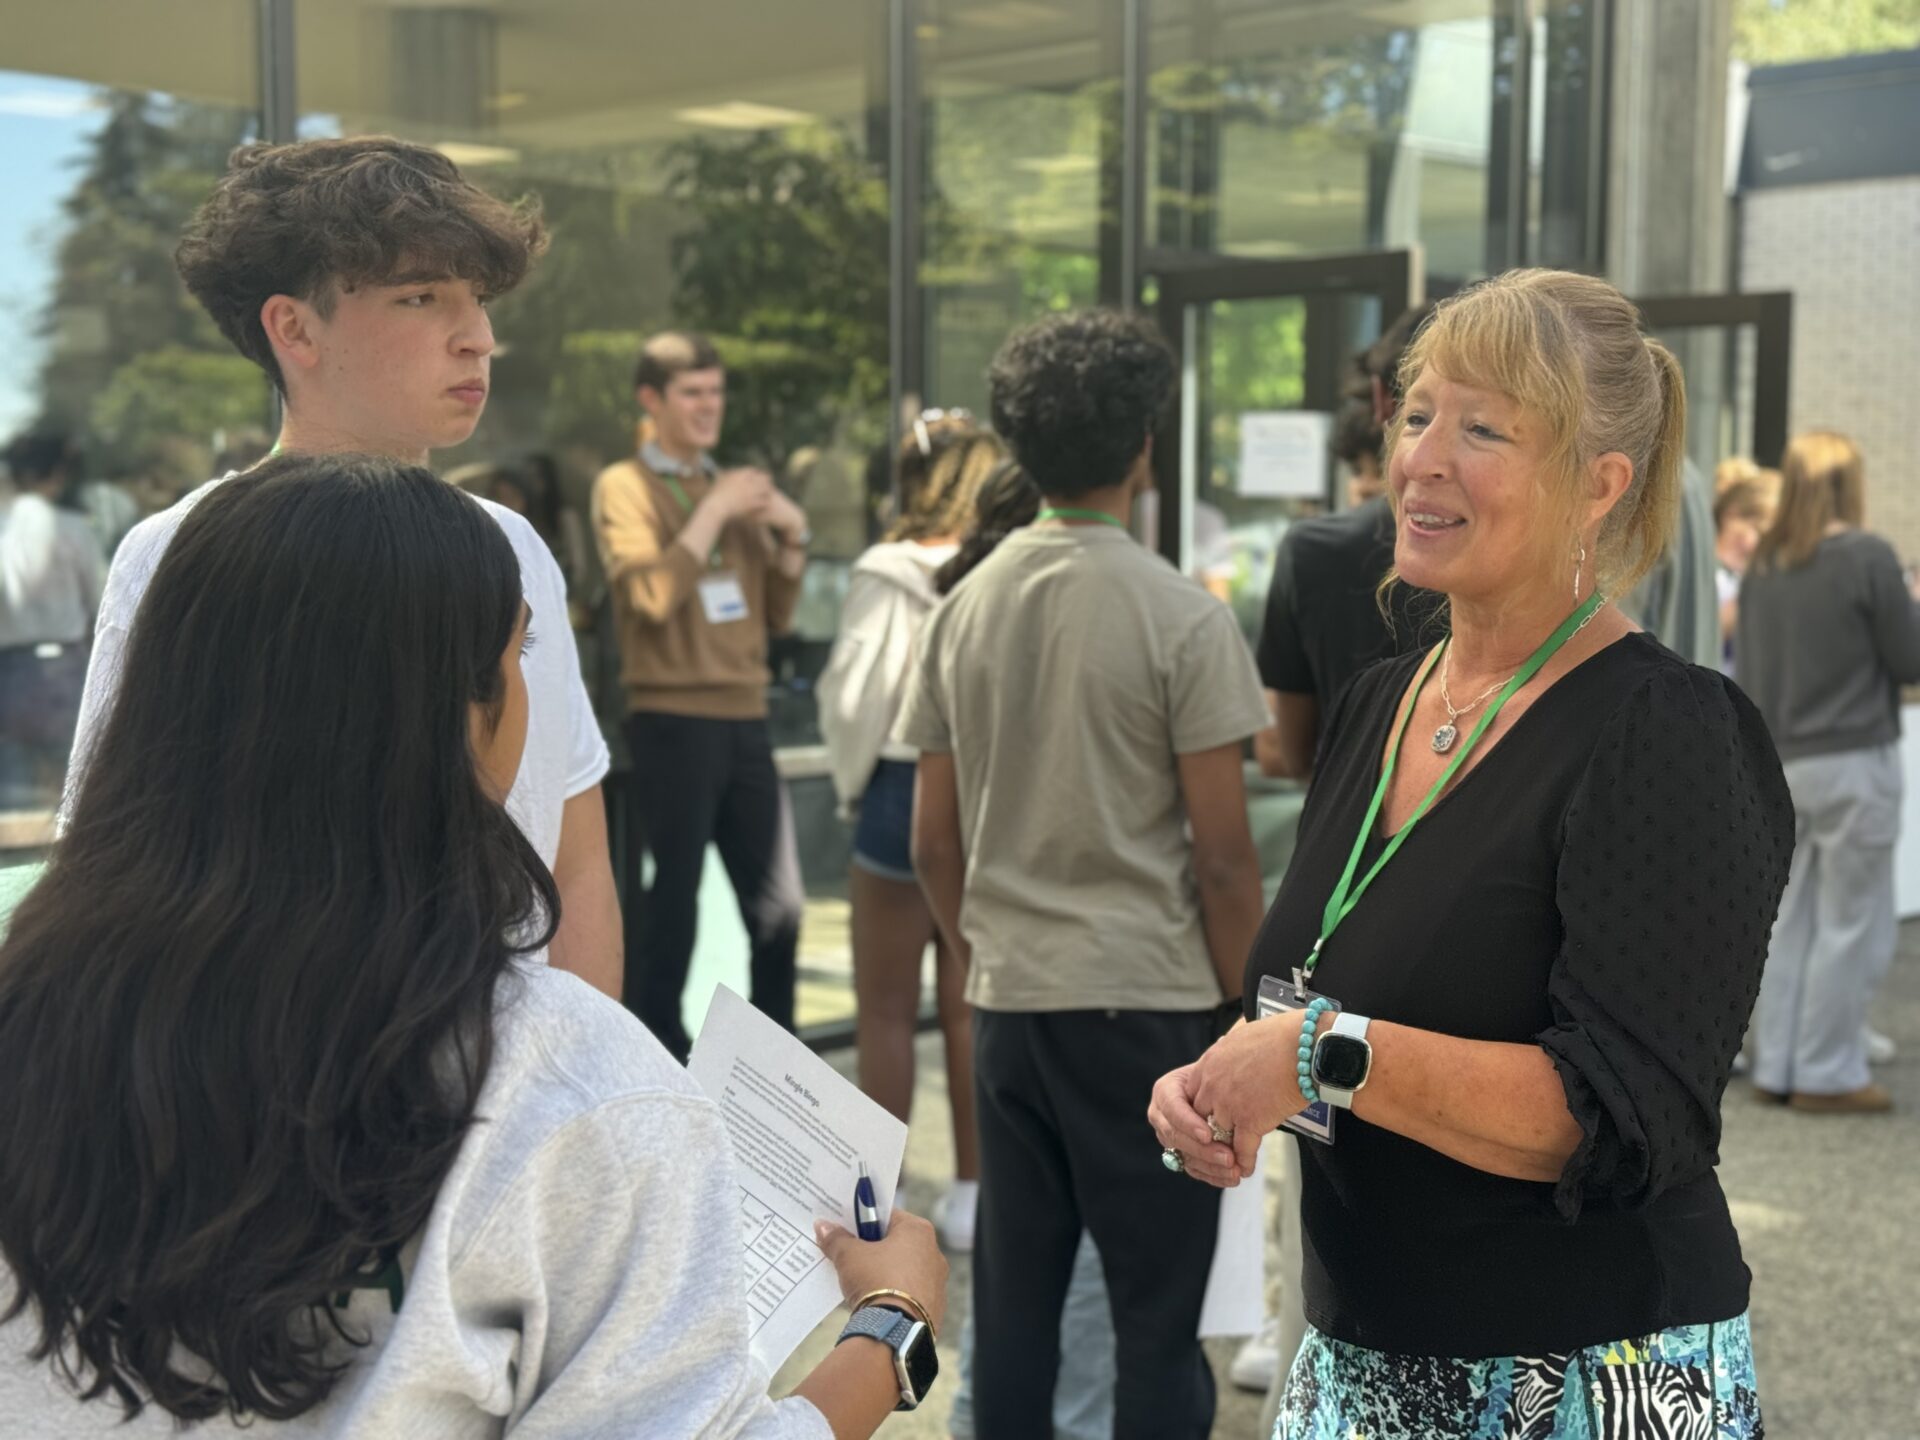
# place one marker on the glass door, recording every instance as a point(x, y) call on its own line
point(1263, 348)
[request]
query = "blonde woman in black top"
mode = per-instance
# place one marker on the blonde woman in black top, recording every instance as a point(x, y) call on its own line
point(1535, 875)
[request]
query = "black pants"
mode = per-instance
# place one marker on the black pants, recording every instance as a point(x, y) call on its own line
point(697, 780)
point(1064, 1142)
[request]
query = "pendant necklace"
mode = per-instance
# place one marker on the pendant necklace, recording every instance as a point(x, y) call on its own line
point(1444, 737)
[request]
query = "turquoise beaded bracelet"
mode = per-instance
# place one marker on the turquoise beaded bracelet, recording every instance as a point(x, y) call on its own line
point(1310, 1020)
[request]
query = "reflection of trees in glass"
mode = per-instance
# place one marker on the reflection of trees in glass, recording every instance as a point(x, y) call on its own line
point(1015, 174)
point(774, 244)
point(1766, 32)
point(1257, 355)
point(133, 365)
point(1342, 98)
point(1023, 169)
point(162, 397)
point(784, 264)
point(1256, 360)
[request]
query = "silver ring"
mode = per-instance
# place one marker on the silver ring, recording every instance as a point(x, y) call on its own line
point(1225, 1137)
point(1174, 1160)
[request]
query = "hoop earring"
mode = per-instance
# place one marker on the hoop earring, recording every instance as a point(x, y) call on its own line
point(1579, 564)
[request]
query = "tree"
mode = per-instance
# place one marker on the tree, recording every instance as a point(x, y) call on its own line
point(1779, 32)
point(124, 339)
point(160, 397)
point(784, 264)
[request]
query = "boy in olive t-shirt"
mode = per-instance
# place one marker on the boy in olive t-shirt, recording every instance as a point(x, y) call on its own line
point(1080, 829)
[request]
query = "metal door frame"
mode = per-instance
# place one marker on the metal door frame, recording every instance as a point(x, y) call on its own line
point(1395, 277)
point(1771, 315)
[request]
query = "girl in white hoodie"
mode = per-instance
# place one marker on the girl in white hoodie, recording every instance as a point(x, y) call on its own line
point(939, 469)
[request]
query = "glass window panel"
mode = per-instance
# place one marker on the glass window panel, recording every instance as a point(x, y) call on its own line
point(116, 121)
point(1288, 129)
point(1020, 98)
point(1255, 358)
point(1718, 362)
point(719, 167)
point(731, 182)
point(1562, 155)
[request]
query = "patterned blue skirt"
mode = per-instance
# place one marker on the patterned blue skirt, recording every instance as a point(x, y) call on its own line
point(1694, 1382)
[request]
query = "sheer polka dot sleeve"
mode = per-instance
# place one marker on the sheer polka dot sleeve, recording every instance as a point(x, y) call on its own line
point(1677, 846)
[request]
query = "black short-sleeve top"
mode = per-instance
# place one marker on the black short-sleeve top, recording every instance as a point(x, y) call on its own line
point(1601, 884)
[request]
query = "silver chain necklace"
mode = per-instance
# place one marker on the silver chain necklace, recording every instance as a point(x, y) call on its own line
point(1444, 737)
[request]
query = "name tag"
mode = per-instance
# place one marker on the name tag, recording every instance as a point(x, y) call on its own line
point(1316, 1121)
point(723, 599)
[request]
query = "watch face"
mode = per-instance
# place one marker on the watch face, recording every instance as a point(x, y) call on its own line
point(922, 1364)
point(1341, 1061)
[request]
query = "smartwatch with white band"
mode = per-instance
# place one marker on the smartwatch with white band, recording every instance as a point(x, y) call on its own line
point(1342, 1060)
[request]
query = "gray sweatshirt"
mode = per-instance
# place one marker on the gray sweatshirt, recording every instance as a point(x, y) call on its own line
point(1823, 649)
point(579, 1276)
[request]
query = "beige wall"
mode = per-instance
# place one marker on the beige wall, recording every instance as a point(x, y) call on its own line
point(1850, 253)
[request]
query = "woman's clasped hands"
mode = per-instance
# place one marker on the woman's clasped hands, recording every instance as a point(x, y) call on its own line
point(1216, 1111)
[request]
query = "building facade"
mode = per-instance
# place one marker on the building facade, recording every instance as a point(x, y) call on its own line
point(858, 199)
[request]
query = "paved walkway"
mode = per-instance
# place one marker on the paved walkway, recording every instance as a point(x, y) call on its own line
point(1829, 1214)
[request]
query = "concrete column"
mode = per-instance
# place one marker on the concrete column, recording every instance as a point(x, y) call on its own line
point(1667, 211)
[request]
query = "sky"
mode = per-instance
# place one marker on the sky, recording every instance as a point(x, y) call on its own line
point(45, 124)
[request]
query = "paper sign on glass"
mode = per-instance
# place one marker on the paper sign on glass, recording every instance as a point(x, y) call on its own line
point(1283, 454)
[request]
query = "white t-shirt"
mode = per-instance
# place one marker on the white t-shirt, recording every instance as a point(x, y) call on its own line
point(50, 573)
point(888, 599)
point(565, 752)
point(579, 1274)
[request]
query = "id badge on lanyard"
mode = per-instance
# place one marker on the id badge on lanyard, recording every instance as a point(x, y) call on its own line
point(722, 598)
point(1276, 995)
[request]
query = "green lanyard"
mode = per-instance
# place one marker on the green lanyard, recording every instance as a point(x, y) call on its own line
point(1346, 894)
point(1050, 513)
point(672, 482)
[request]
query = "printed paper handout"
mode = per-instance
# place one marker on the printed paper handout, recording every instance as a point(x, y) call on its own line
point(800, 1132)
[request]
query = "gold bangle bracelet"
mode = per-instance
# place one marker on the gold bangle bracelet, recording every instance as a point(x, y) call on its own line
point(913, 1304)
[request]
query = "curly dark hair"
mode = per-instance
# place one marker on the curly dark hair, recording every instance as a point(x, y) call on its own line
point(1076, 396)
point(247, 1012)
point(310, 219)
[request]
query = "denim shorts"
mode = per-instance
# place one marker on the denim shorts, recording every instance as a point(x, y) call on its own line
point(883, 834)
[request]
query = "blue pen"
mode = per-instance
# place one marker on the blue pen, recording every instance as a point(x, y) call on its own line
point(866, 1214)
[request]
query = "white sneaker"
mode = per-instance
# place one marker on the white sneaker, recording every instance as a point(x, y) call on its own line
point(1880, 1048)
point(1257, 1363)
point(954, 1214)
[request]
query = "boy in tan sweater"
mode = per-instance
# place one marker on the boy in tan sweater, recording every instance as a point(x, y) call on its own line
point(703, 565)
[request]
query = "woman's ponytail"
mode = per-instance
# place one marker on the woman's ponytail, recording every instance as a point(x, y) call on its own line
point(1651, 523)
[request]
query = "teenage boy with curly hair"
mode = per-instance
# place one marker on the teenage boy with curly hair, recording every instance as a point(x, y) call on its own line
point(356, 273)
point(1081, 711)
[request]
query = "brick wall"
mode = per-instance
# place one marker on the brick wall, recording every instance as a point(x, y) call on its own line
point(1850, 253)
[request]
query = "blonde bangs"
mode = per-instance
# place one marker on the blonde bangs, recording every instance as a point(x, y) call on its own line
point(1494, 337)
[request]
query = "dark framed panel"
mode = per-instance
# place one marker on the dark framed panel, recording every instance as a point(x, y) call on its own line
point(1392, 277)
point(1771, 316)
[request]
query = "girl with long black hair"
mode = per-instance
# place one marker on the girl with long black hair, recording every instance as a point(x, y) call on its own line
point(297, 1130)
